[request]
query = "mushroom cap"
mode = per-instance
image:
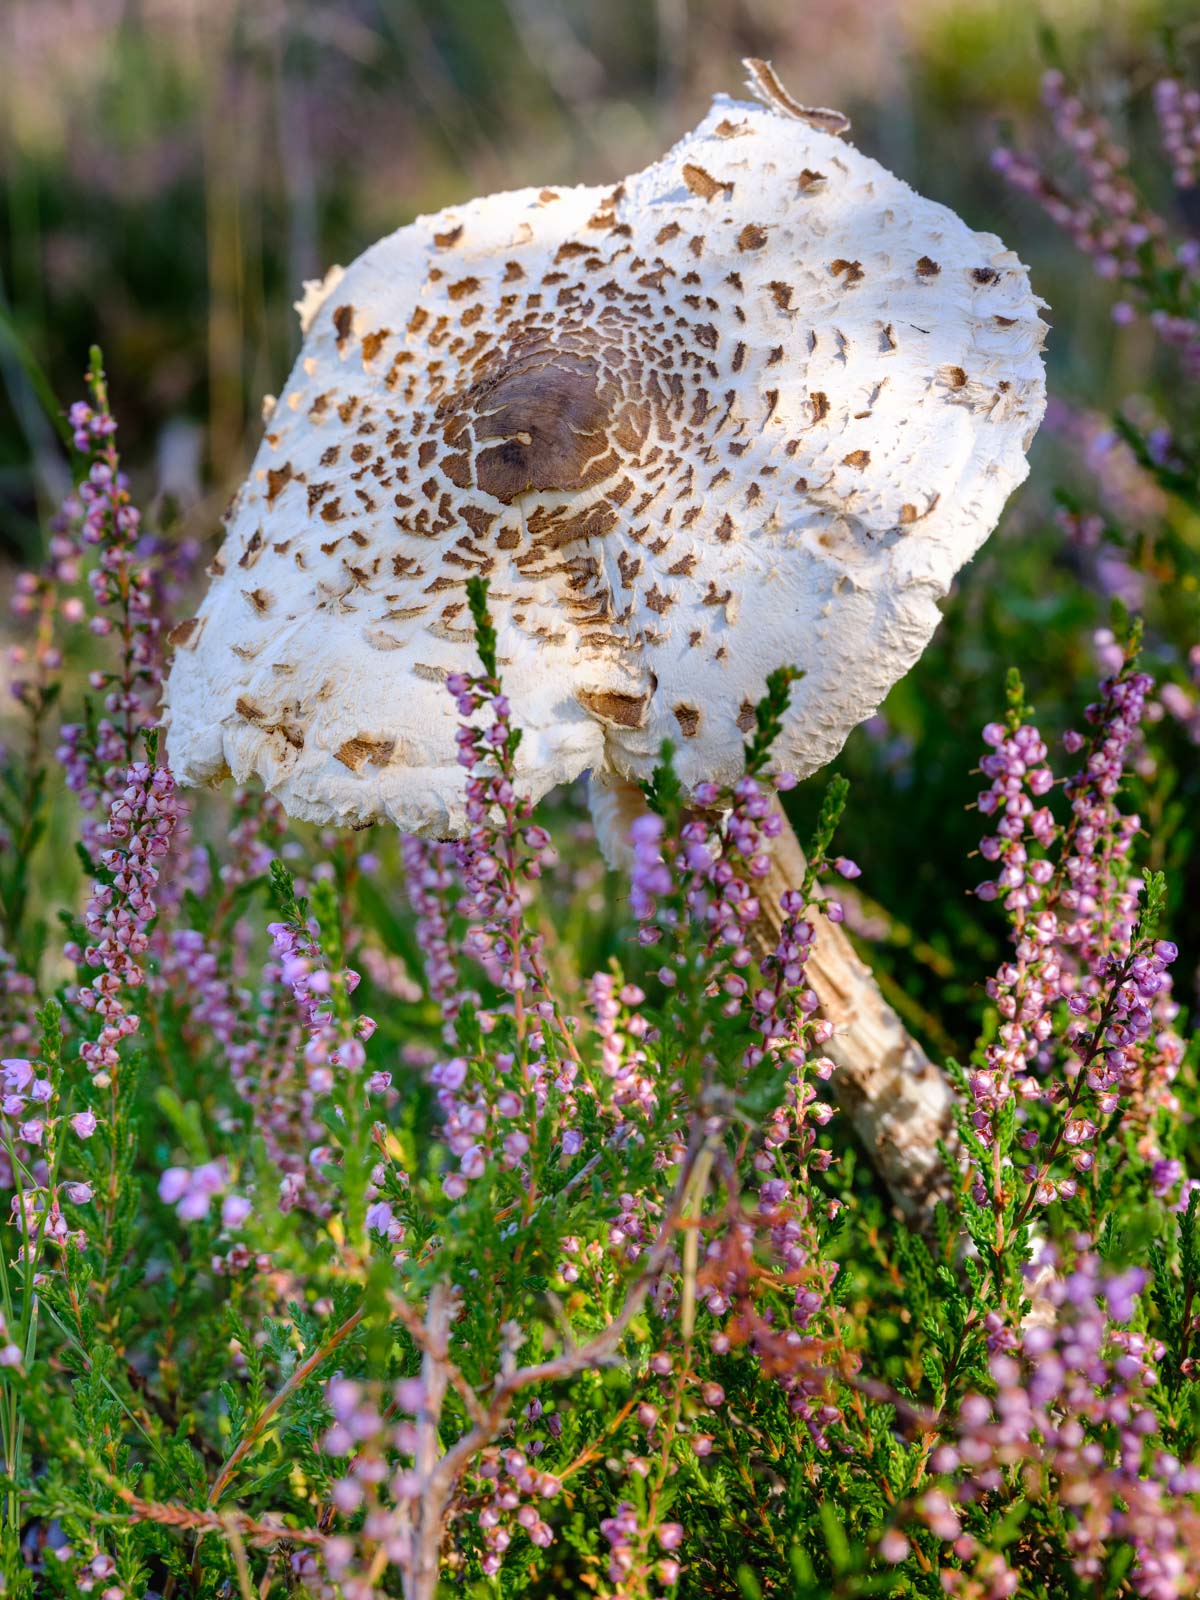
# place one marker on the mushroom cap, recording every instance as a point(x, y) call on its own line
point(755, 405)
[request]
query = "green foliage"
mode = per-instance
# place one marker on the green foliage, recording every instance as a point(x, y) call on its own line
point(485, 629)
point(663, 790)
point(768, 717)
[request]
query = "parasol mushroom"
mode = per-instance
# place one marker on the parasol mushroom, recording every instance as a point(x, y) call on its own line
point(755, 404)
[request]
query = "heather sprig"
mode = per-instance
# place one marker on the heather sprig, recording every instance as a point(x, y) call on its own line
point(103, 525)
point(768, 717)
point(1072, 1425)
point(1106, 214)
point(1083, 1004)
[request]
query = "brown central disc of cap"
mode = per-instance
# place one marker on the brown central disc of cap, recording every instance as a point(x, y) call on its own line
point(549, 407)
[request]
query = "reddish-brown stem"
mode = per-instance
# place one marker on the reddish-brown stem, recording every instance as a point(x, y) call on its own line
point(273, 1406)
point(1077, 1088)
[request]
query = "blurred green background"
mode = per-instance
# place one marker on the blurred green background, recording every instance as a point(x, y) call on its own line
point(171, 170)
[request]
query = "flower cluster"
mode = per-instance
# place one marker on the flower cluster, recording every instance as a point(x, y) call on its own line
point(17, 998)
point(1178, 111)
point(697, 895)
point(429, 878)
point(638, 1554)
point(512, 1496)
point(1073, 911)
point(27, 1093)
point(332, 1045)
point(39, 598)
point(141, 819)
point(192, 1190)
point(360, 1434)
point(504, 849)
point(504, 1493)
point(1107, 220)
point(1074, 1403)
point(92, 1569)
point(487, 1106)
point(99, 519)
point(1106, 215)
point(33, 1125)
point(621, 1028)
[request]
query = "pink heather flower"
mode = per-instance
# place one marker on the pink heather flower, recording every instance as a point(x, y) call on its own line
point(173, 1183)
point(235, 1208)
point(939, 1516)
point(410, 1394)
point(893, 1546)
point(346, 1494)
point(351, 1055)
point(191, 1191)
point(18, 1073)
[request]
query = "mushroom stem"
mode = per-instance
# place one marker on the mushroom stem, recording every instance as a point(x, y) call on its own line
point(900, 1104)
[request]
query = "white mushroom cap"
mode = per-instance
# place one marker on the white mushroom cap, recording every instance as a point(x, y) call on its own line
point(755, 405)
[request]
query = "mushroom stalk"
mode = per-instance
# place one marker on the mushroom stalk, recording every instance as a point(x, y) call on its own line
point(900, 1104)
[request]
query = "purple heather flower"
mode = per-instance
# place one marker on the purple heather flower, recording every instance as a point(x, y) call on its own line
point(235, 1208)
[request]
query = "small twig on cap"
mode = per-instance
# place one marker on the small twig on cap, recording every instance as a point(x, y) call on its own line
point(764, 81)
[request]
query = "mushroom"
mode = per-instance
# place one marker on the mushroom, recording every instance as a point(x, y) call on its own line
point(756, 404)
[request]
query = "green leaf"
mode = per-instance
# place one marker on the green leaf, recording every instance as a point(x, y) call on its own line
point(768, 717)
point(663, 790)
point(485, 631)
point(835, 1538)
point(748, 1584)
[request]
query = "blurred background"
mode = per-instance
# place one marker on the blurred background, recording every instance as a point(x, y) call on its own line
point(172, 170)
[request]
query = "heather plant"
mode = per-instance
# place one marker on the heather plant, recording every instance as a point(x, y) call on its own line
point(398, 1217)
point(484, 1271)
point(1129, 532)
